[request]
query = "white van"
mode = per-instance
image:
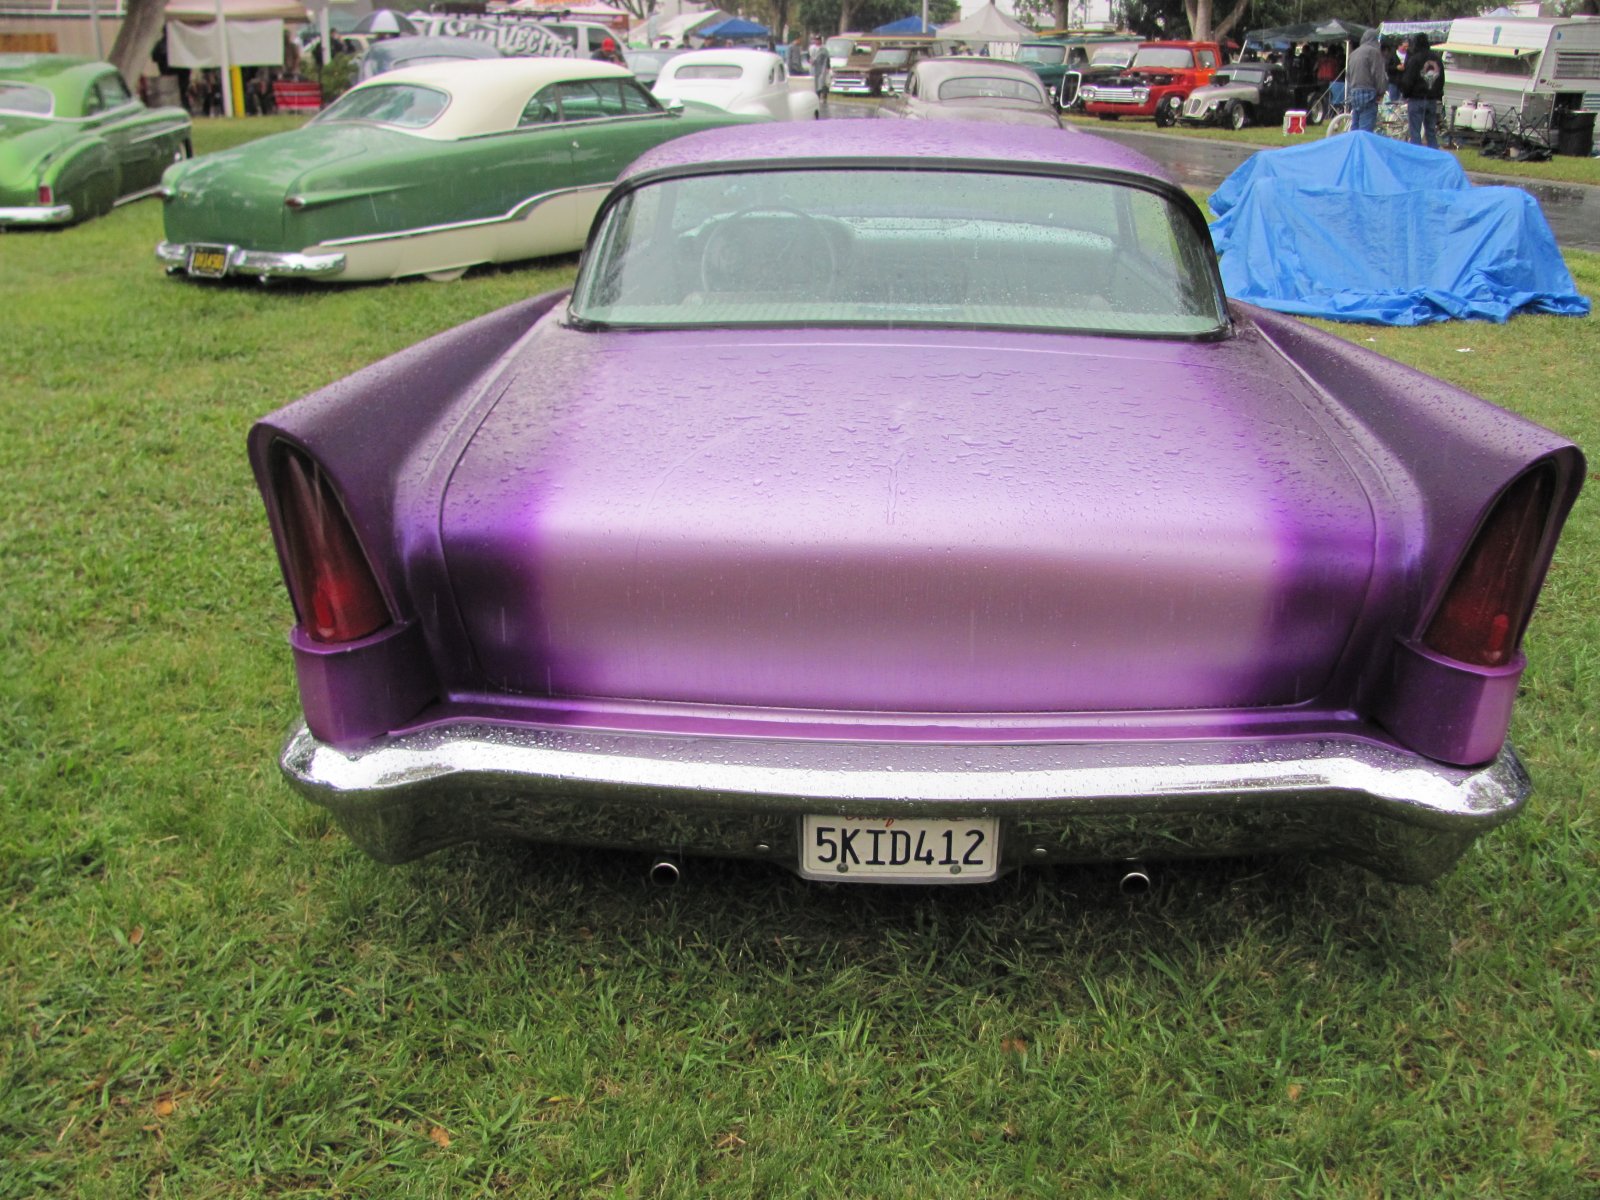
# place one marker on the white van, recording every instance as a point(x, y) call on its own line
point(1522, 72)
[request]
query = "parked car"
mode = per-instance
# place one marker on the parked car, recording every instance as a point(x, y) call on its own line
point(1156, 83)
point(1107, 59)
point(1014, 544)
point(876, 62)
point(1239, 95)
point(391, 54)
point(74, 142)
point(372, 188)
point(753, 82)
point(973, 89)
point(646, 64)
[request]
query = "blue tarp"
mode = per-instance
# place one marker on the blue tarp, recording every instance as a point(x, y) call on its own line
point(1365, 228)
point(905, 25)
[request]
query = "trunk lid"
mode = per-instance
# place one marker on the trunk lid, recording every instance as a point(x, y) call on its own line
point(906, 521)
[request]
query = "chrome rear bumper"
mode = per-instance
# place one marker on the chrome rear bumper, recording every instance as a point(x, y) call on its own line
point(1403, 816)
point(176, 257)
point(37, 214)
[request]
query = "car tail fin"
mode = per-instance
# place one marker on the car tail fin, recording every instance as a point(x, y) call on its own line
point(1485, 609)
point(330, 581)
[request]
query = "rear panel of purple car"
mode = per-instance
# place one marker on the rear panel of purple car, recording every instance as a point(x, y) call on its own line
point(1009, 539)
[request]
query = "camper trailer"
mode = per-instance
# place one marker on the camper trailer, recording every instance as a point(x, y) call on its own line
point(1523, 74)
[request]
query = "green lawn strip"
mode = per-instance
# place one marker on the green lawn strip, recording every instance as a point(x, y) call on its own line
point(204, 991)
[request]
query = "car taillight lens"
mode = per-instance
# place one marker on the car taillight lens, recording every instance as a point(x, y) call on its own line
point(47, 194)
point(1483, 613)
point(333, 588)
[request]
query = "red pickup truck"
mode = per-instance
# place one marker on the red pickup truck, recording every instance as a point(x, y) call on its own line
point(1156, 83)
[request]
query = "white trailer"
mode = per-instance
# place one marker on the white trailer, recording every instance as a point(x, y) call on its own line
point(1521, 73)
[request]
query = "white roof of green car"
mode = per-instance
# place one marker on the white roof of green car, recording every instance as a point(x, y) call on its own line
point(488, 95)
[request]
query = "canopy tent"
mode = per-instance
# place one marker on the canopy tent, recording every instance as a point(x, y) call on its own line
point(236, 10)
point(1437, 31)
point(674, 29)
point(1365, 228)
point(1317, 32)
point(732, 27)
point(912, 24)
point(593, 10)
point(988, 24)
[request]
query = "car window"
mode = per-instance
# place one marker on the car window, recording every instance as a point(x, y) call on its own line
point(978, 87)
point(407, 105)
point(542, 109)
point(883, 246)
point(24, 98)
point(595, 99)
point(111, 91)
point(1047, 55)
point(708, 71)
point(1207, 59)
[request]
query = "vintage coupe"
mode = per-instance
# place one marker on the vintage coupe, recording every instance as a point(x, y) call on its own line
point(1019, 544)
point(972, 89)
point(424, 171)
point(738, 81)
point(74, 142)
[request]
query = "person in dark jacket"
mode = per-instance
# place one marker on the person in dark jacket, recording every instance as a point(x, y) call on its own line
point(1394, 63)
point(1366, 80)
point(1422, 84)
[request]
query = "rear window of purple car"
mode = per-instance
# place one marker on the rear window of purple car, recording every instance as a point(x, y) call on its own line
point(880, 246)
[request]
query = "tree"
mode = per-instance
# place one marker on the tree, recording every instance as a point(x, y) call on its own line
point(829, 17)
point(141, 30)
point(1201, 26)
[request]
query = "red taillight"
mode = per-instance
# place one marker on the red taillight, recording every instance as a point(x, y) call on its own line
point(47, 194)
point(1482, 616)
point(332, 586)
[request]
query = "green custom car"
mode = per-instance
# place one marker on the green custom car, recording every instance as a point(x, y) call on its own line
point(74, 141)
point(423, 171)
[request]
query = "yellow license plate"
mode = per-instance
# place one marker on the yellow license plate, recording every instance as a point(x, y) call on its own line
point(209, 261)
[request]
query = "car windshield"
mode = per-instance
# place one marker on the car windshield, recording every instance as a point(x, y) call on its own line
point(891, 58)
point(1049, 55)
point(1163, 56)
point(708, 71)
point(838, 47)
point(1240, 75)
point(984, 87)
point(408, 105)
point(24, 98)
point(1111, 56)
point(891, 246)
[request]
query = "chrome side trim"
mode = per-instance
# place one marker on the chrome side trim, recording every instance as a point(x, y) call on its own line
point(1402, 815)
point(36, 214)
point(515, 213)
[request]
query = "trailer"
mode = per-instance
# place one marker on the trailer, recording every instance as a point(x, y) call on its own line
point(1524, 77)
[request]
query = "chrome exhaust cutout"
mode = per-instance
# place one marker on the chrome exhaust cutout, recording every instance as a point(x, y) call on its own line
point(665, 872)
point(1135, 881)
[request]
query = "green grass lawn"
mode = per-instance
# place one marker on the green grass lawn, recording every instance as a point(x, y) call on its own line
point(205, 991)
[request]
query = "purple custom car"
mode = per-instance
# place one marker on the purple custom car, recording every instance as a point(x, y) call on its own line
point(903, 501)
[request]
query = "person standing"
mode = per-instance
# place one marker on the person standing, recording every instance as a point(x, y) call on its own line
point(1422, 84)
point(1367, 78)
point(821, 68)
point(1394, 62)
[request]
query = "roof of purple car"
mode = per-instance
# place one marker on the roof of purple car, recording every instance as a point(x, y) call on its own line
point(876, 140)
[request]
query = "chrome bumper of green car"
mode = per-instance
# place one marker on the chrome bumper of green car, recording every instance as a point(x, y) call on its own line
point(216, 262)
point(37, 214)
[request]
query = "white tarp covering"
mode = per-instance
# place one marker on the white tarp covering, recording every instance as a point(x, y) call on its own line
point(250, 44)
point(205, 11)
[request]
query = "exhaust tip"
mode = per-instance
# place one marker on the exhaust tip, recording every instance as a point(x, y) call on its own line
point(1135, 882)
point(665, 872)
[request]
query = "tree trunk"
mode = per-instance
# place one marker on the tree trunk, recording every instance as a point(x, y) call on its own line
point(141, 30)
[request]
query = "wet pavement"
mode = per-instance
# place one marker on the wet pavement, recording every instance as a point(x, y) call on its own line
point(1573, 210)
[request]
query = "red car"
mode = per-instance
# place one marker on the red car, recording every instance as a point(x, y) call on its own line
point(1156, 83)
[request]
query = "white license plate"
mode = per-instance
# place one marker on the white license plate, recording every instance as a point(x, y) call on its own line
point(897, 850)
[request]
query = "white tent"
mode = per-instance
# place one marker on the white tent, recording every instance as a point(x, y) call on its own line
point(673, 28)
point(988, 24)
